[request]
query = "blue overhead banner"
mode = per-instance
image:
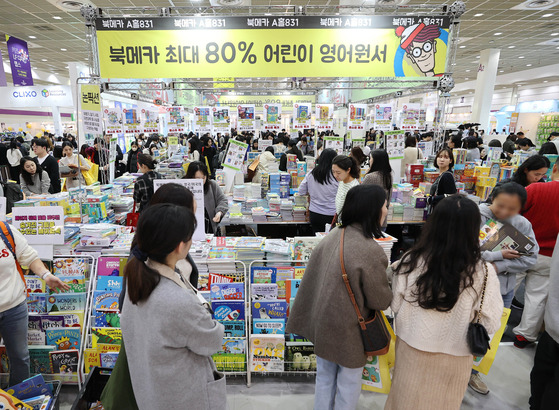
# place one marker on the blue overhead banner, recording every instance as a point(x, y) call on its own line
point(19, 61)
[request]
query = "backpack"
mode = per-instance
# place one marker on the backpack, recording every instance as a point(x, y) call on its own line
point(13, 193)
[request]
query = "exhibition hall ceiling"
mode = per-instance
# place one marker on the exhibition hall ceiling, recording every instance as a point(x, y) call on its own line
point(527, 38)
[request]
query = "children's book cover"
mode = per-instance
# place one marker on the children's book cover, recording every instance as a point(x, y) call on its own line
point(263, 274)
point(64, 362)
point(32, 387)
point(108, 266)
point(4, 361)
point(233, 346)
point(216, 278)
point(35, 284)
point(232, 356)
point(234, 328)
point(298, 273)
point(9, 402)
point(73, 319)
point(299, 356)
point(37, 303)
point(68, 267)
point(39, 402)
point(107, 318)
point(110, 283)
point(227, 291)
point(283, 273)
point(268, 326)
point(228, 310)
point(52, 321)
point(91, 359)
point(269, 309)
point(66, 338)
point(267, 353)
point(76, 283)
point(34, 322)
point(103, 299)
point(36, 337)
point(106, 335)
point(39, 359)
point(303, 247)
point(264, 291)
point(291, 288)
point(108, 359)
point(65, 302)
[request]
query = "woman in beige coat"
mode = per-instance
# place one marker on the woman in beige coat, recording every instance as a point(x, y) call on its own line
point(323, 312)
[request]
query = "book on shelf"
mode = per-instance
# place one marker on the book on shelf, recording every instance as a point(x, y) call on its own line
point(36, 337)
point(105, 299)
point(497, 236)
point(268, 326)
point(269, 309)
point(70, 267)
point(41, 402)
point(108, 359)
point(34, 284)
point(39, 359)
point(283, 274)
point(66, 338)
point(228, 309)
point(106, 335)
point(234, 328)
point(291, 288)
point(303, 247)
point(64, 361)
point(227, 291)
point(300, 356)
point(76, 284)
point(110, 283)
point(107, 318)
point(267, 353)
point(110, 266)
point(263, 274)
point(65, 302)
point(4, 360)
point(37, 303)
point(31, 387)
point(264, 291)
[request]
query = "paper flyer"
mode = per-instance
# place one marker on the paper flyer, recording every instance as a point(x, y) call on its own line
point(335, 143)
point(272, 117)
point(131, 119)
point(202, 120)
point(357, 114)
point(324, 117)
point(221, 119)
point(113, 120)
point(410, 116)
point(175, 119)
point(150, 120)
point(395, 144)
point(383, 117)
point(302, 116)
point(245, 117)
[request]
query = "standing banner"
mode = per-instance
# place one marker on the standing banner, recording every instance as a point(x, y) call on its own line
point(272, 117)
point(202, 120)
point(3, 81)
point(302, 116)
point(395, 144)
point(113, 120)
point(235, 156)
point(513, 122)
point(19, 61)
point(92, 122)
point(263, 144)
point(131, 118)
point(335, 143)
point(175, 119)
point(150, 120)
point(221, 120)
point(196, 186)
point(272, 46)
point(410, 116)
point(357, 114)
point(324, 117)
point(245, 117)
point(40, 225)
point(383, 117)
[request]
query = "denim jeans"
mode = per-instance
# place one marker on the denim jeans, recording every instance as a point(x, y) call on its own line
point(337, 387)
point(13, 328)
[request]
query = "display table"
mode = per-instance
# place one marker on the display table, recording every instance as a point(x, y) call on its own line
point(405, 222)
point(271, 229)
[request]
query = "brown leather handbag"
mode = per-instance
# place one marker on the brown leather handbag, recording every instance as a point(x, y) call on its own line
point(376, 339)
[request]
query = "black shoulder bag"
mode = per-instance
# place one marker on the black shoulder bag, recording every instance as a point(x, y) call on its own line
point(478, 338)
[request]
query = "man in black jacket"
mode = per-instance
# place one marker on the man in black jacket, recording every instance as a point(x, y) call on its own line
point(48, 163)
point(292, 144)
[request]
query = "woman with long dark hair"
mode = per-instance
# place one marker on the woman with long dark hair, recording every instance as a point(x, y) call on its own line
point(437, 288)
point(532, 170)
point(143, 188)
point(346, 171)
point(380, 172)
point(445, 184)
point(33, 180)
point(321, 186)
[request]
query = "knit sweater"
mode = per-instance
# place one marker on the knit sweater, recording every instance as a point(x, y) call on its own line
point(343, 189)
point(542, 210)
point(444, 332)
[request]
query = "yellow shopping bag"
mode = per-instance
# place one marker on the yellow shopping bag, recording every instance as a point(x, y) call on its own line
point(376, 373)
point(484, 363)
point(92, 174)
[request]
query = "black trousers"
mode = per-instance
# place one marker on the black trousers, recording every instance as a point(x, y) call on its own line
point(544, 379)
point(318, 221)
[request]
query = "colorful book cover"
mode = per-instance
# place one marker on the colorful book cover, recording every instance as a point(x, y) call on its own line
point(107, 347)
point(39, 402)
point(291, 288)
point(298, 273)
point(52, 321)
point(268, 326)
point(299, 356)
point(64, 362)
point(103, 299)
point(91, 359)
point(106, 335)
point(303, 247)
point(108, 359)
point(66, 338)
point(4, 361)
point(496, 236)
point(73, 319)
point(76, 283)
point(283, 273)
point(263, 274)
point(69, 267)
point(35, 284)
point(110, 283)
point(234, 328)
point(32, 387)
point(269, 309)
point(215, 278)
point(39, 359)
point(228, 310)
point(34, 322)
point(267, 353)
point(108, 266)
point(107, 318)
point(36, 337)
point(37, 303)
point(228, 362)
point(227, 291)
point(65, 302)
point(9, 402)
point(264, 291)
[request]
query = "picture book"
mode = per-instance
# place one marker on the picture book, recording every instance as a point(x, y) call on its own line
point(36, 337)
point(303, 247)
point(268, 326)
point(230, 362)
point(263, 274)
point(299, 356)
point(227, 291)
point(216, 278)
point(9, 402)
point(39, 359)
point(32, 387)
point(65, 302)
point(103, 299)
point(65, 338)
point(283, 273)
point(73, 318)
point(292, 337)
point(291, 288)
point(234, 328)
point(39, 403)
point(64, 361)
point(4, 361)
point(106, 335)
point(264, 291)
point(107, 318)
point(110, 283)
point(108, 359)
point(269, 309)
point(267, 353)
point(496, 236)
point(76, 283)
point(107, 347)
point(233, 346)
point(228, 310)
point(298, 273)
point(51, 321)
point(34, 322)
point(68, 267)
point(37, 303)
point(91, 359)
point(108, 266)
point(34, 284)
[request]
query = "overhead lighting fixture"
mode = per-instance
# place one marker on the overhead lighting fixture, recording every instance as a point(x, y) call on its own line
point(501, 71)
point(478, 15)
point(57, 17)
point(466, 78)
point(32, 37)
point(477, 57)
point(548, 15)
point(521, 57)
point(512, 46)
point(497, 34)
point(545, 81)
point(63, 49)
point(555, 34)
point(44, 59)
point(462, 46)
point(468, 71)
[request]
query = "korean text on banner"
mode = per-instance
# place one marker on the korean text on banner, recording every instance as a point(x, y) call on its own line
point(150, 120)
point(196, 186)
point(113, 120)
point(245, 117)
point(20, 62)
point(221, 120)
point(410, 116)
point(324, 118)
point(302, 116)
point(294, 46)
point(395, 144)
point(175, 119)
point(90, 100)
point(335, 143)
point(383, 117)
point(357, 114)
point(40, 225)
point(235, 156)
point(203, 120)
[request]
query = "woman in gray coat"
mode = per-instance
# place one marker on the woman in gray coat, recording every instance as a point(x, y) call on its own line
point(167, 328)
point(33, 180)
point(323, 311)
point(215, 201)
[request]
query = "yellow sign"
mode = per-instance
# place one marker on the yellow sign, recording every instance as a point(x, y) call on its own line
point(229, 82)
point(286, 101)
point(301, 46)
point(90, 97)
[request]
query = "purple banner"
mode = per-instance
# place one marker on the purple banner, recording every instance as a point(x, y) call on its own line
point(3, 81)
point(19, 61)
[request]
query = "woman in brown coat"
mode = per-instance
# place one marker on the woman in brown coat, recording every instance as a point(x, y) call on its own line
point(323, 312)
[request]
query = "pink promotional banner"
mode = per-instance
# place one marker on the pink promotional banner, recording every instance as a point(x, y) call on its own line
point(19, 61)
point(3, 81)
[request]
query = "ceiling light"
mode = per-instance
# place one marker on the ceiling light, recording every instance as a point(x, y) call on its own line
point(32, 37)
point(497, 34)
point(466, 78)
point(478, 15)
point(545, 81)
point(555, 34)
point(477, 57)
point(462, 46)
point(528, 65)
point(512, 46)
point(548, 15)
point(44, 59)
point(468, 71)
point(57, 17)
point(63, 49)
point(521, 57)
point(501, 71)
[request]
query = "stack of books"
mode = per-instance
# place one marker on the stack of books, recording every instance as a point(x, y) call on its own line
point(259, 214)
point(239, 193)
point(286, 210)
point(386, 244)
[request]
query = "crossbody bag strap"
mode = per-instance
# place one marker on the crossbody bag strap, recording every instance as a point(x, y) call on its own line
point(482, 292)
point(347, 285)
point(8, 238)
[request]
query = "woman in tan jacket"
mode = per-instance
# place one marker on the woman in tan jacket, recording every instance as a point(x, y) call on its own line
point(323, 312)
point(437, 290)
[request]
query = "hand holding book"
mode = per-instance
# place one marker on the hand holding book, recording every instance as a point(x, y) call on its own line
point(510, 254)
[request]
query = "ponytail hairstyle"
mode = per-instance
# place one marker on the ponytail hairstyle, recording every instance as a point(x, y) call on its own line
point(147, 160)
point(347, 164)
point(161, 228)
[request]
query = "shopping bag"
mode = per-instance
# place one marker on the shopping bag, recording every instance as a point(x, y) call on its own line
point(118, 393)
point(376, 373)
point(483, 364)
point(90, 176)
point(132, 217)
